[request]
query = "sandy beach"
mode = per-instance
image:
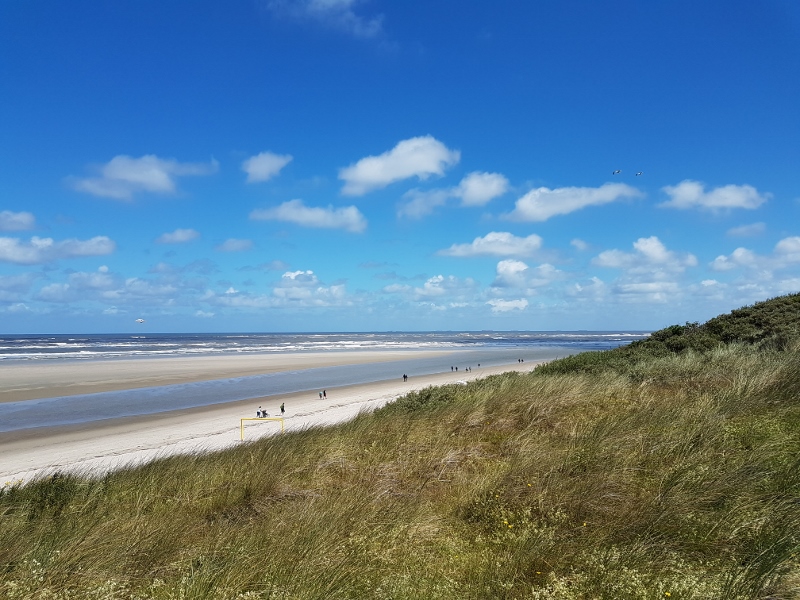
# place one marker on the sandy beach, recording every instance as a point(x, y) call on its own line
point(97, 447)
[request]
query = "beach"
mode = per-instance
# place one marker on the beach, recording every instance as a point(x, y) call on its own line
point(96, 447)
point(49, 379)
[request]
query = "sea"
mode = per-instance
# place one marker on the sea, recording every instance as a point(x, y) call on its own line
point(464, 349)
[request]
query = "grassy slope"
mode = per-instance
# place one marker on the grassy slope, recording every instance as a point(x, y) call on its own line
point(666, 474)
point(770, 324)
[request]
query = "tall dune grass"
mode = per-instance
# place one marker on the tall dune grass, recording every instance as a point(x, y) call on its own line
point(679, 478)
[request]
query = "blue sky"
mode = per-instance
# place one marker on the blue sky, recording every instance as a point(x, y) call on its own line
point(364, 165)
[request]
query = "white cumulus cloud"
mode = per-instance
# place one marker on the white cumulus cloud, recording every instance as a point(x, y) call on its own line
point(513, 273)
point(788, 249)
point(43, 250)
point(692, 194)
point(264, 166)
point(501, 306)
point(476, 189)
point(543, 203)
point(418, 157)
point(16, 221)
point(123, 176)
point(785, 254)
point(348, 218)
point(649, 254)
point(179, 236)
point(741, 257)
point(303, 289)
point(496, 243)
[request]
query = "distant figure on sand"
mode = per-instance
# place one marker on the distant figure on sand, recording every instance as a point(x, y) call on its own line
point(320, 395)
point(283, 410)
point(405, 377)
point(324, 393)
point(259, 412)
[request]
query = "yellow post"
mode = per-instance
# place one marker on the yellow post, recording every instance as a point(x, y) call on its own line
point(241, 423)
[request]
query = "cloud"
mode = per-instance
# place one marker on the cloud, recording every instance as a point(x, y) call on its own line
point(501, 306)
point(448, 289)
point(788, 250)
point(294, 211)
point(496, 243)
point(97, 280)
point(14, 287)
point(296, 289)
point(518, 275)
point(264, 166)
point(595, 290)
point(179, 236)
point(418, 157)
point(476, 189)
point(419, 204)
point(747, 230)
point(579, 244)
point(43, 250)
point(741, 257)
point(439, 286)
point(650, 273)
point(144, 288)
point(16, 221)
point(785, 254)
point(123, 176)
point(234, 245)
point(542, 203)
point(81, 286)
point(339, 15)
point(649, 255)
point(691, 194)
point(650, 291)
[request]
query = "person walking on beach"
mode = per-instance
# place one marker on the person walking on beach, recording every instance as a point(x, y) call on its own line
point(283, 409)
point(325, 393)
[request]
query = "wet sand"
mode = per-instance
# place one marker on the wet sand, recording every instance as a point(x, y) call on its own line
point(51, 379)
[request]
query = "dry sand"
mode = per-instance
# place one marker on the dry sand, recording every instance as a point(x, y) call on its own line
point(98, 447)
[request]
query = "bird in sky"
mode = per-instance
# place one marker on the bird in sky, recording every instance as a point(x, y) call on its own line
point(639, 173)
point(617, 172)
point(140, 320)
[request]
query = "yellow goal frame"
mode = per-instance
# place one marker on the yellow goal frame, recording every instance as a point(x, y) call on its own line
point(241, 423)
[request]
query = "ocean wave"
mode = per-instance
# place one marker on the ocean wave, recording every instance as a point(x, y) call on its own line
point(88, 347)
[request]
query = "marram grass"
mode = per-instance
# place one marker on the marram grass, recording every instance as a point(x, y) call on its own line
point(679, 478)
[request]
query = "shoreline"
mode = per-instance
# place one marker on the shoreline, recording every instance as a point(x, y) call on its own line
point(97, 447)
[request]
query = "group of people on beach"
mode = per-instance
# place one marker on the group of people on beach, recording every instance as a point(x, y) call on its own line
point(263, 414)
